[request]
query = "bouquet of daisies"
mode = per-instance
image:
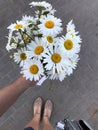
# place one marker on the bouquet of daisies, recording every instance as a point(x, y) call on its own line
point(34, 44)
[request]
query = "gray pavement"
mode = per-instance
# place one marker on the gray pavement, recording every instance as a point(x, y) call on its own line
point(77, 95)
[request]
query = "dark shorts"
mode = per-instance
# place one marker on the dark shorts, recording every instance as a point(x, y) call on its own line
point(29, 128)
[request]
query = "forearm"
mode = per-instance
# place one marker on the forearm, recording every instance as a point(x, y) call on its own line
point(10, 93)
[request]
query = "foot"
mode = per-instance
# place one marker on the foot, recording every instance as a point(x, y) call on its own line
point(37, 108)
point(48, 109)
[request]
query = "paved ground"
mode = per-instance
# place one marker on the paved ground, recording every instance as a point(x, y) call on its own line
point(77, 95)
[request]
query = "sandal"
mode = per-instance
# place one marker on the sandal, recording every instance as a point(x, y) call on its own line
point(48, 109)
point(37, 106)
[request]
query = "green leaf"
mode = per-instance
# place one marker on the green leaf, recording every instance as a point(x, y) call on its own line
point(12, 41)
point(45, 13)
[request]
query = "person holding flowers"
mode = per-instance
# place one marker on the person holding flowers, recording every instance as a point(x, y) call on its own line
point(10, 93)
point(36, 46)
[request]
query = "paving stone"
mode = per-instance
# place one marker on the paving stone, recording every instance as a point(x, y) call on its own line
point(6, 116)
point(8, 125)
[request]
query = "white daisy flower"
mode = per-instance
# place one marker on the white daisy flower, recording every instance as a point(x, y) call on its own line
point(51, 10)
point(40, 4)
point(30, 22)
point(60, 75)
point(33, 70)
point(36, 48)
point(16, 26)
point(70, 27)
point(55, 59)
point(74, 36)
point(8, 46)
point(28, 19)
point(50, 25)
point(12, 42)
point(74, 60)
point(21, 39)
point(20, 57)
point(71, 31)
point(48, 11)
point(49, 40)
point(69, 45)
point(73, 64)
point(31, 25)
point(69, 71)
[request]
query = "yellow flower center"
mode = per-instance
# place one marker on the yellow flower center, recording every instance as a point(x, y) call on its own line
point(26, 38)
point(38, 50)
point(68, 44)
point(49, 24)
point(69, 30)
point(72, 35)
point(34, 69)
point(56, 58)
point(49, 39)
point(23, 56)
point(18, 26)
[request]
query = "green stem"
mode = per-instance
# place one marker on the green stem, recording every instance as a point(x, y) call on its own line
point(28, 35)
point(21, 33)
point(51, 85)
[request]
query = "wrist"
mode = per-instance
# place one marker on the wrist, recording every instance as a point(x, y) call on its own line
point(21, 82)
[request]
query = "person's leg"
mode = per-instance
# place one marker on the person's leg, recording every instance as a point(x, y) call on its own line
point(46, 125)
point(34, 123)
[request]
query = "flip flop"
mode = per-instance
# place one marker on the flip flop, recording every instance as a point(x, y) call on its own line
point(48, 108)
point(37, 106)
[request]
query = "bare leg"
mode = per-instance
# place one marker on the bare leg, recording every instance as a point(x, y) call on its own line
point(46, 117)
point(34, 123)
